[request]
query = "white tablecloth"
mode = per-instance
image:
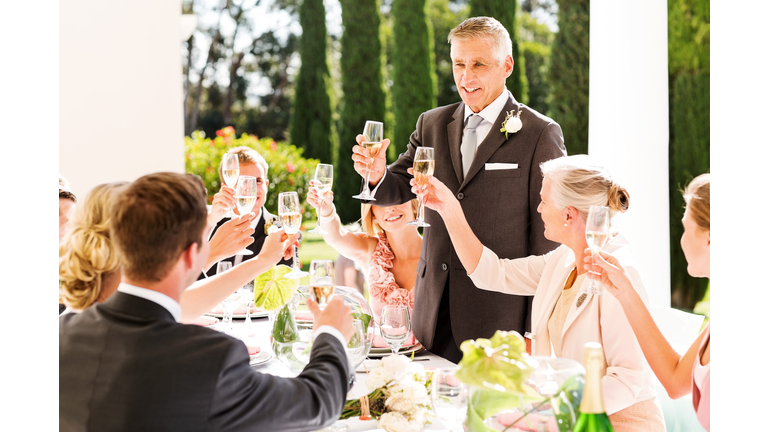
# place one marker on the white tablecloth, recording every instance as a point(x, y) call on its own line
point(261, 329)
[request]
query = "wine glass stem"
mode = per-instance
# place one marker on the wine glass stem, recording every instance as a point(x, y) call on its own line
point(366, 189)
point(295, 259)
point(248, 321)
point(420, 214)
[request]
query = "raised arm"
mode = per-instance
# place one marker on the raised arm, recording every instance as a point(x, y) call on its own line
point(487, 271)
point(231, 237)
point(672, 369)
point(206, 293)
point(355, 246)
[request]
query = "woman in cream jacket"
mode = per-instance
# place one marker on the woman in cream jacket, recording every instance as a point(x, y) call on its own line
point(563, 320)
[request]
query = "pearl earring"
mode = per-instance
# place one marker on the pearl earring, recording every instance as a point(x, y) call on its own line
point(565, 224)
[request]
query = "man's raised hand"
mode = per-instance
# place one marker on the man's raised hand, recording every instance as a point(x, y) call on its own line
point(362, 158)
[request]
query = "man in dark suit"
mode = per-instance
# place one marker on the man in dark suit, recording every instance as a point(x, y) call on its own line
point(128, 364)
point(251, 164)
point(496, 177)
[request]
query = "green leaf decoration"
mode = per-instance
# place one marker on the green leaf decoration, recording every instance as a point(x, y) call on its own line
point(272, 289)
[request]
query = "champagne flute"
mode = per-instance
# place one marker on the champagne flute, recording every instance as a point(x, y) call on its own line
point(423, 167)
point(230, 304)
point(395, 325)
point(321, 281)
point(597, 232)
point(324, 179)
point(450, 399)
point(245, 197)
point(373, 135)
point(230, 170)
point(246, 296)
point(289, 210)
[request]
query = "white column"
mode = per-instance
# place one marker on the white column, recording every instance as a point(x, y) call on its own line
point(629, 124)
point(120, 90)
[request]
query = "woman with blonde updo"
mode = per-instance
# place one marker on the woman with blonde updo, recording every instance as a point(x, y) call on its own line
point(89, 269)
point(89, 266)
point(563, 319)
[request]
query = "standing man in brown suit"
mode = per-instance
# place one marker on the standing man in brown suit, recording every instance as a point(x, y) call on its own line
point(494, 174)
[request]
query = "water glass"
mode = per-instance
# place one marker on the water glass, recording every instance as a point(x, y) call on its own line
point(395, 326)
point(450, 399)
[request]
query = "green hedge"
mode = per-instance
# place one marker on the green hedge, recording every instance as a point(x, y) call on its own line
point(569, 74)
point(288, 170)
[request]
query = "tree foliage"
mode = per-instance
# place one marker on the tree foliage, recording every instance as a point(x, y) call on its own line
point(536, 39)
point(505, 12)
point(445, 15)
point(364, 97)
point(311, 126)
point(413, 68)
point(569, 74)
point(689, 129)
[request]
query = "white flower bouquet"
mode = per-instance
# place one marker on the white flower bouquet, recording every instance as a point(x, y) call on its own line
point(400, 400)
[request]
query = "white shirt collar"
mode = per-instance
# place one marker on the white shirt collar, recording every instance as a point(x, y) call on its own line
point(492, 111)
point(156, 297)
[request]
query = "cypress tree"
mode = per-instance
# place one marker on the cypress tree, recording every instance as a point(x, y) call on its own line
point(688, 50)
point(569, 74)
point(311, 125)
point(505, 12)
point(364, 99)
point(413, 68)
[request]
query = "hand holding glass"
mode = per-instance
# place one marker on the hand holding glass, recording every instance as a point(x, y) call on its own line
point(373, 134)
point(423, 167)
point(230, 170)
point(395, 326)
point(289, 210)
point(597, 232)
point(450, 398)
point(321, 281)
point(324, 179)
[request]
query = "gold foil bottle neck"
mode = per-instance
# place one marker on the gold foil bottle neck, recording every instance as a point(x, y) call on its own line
point(594, 362)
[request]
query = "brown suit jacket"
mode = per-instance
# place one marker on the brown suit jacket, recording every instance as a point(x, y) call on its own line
point(500, 206)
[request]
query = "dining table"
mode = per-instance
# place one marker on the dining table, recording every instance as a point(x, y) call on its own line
point(258, 335)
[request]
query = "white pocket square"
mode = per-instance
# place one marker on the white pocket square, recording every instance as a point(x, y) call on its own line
point(500, 166)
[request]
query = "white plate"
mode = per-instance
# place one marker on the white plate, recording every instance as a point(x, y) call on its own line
point(260, 358)
point(378, 354)
point(257, 314)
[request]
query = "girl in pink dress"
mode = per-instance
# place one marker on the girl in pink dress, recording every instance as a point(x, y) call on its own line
point(387, 250)
point(680, 375)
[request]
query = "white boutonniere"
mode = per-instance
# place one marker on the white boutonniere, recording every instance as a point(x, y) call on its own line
point(512, 123)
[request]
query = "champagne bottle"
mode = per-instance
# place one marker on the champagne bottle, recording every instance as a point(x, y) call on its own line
point(593, 417)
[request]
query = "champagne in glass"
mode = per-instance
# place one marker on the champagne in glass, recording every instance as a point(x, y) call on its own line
point(289, 210)
point(373, 135)
point(395, 326)
point(321, 281)
point(230, 170)
point(245, 197)
point(593, 417)
point(324, 181)
point(423, 167)
point(597, 232)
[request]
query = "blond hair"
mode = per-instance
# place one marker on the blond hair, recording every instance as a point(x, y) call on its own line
point(370, 227)
point(696, 198)
point(87, 255)
point(245, 155)
point(484, 27)
point(578, 182)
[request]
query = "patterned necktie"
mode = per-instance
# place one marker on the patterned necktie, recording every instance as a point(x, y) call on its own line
point(469, 145)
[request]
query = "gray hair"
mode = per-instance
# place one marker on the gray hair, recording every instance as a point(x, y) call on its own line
point(484, 27)
point(578, 182)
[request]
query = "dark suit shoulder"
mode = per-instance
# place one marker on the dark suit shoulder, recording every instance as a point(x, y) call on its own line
point(442, 113)
point(536, 116)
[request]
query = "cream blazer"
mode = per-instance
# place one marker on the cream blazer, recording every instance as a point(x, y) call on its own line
point(599, 318)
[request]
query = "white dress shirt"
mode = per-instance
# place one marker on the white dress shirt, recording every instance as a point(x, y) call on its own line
point(156, 297)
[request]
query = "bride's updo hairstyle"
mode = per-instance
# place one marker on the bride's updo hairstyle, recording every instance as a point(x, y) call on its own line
point(87, 255)
point(696, 197)
point(578, 182)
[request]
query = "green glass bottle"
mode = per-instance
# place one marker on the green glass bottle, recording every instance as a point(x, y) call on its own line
point(593, 417)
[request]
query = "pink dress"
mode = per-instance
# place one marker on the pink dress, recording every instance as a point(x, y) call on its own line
point(700, 378)
point(382, 288)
